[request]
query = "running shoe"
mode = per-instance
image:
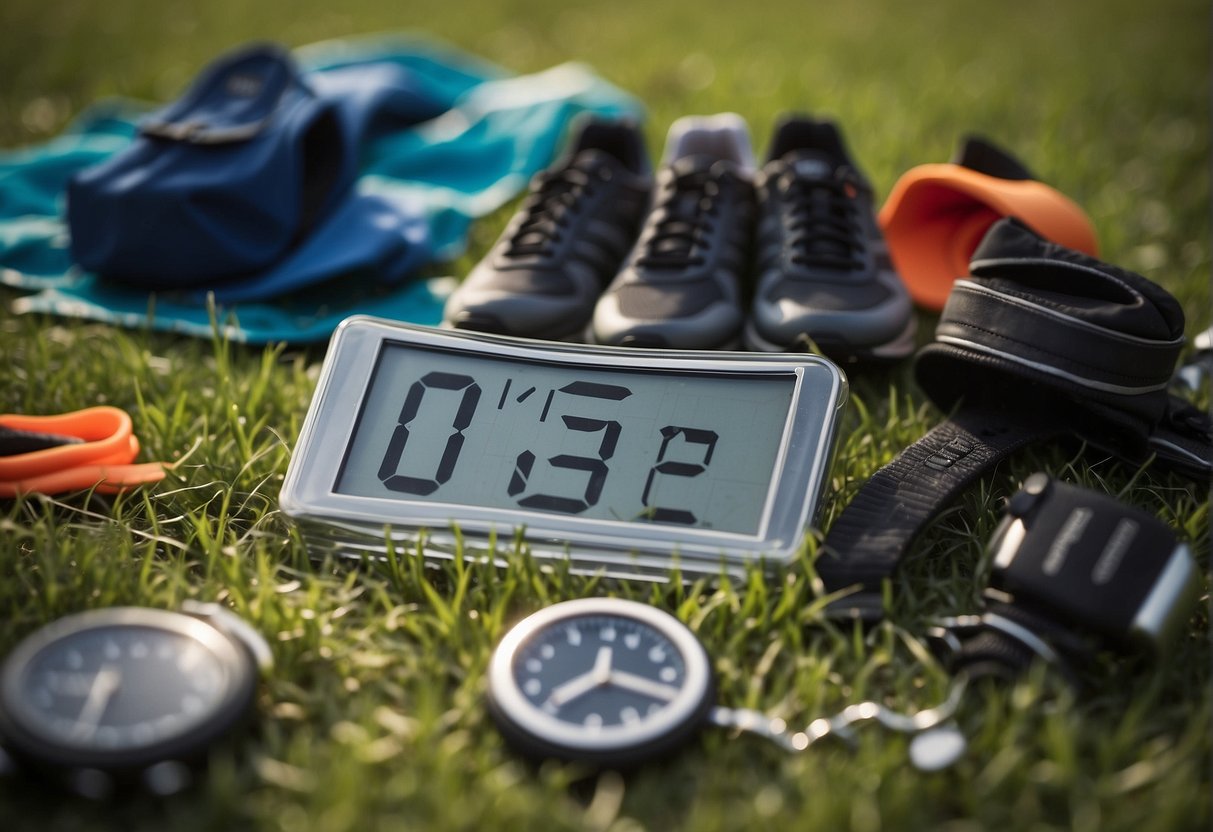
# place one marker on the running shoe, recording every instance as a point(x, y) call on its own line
point(824, 272)
point(681, 286)
point(565, 242)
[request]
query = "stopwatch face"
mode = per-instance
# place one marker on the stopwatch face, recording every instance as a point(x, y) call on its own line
point(122, 688)
point(601, 680)
point(623, 461)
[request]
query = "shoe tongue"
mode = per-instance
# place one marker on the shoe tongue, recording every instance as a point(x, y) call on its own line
point(693, 162)
point(811, 164)
point(983, 156)
point(591, 158)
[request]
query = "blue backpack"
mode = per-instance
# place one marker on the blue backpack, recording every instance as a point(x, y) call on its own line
point(224, 182)
point(291, 197)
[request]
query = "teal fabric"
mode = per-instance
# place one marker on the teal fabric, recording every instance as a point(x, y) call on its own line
point(498, 131)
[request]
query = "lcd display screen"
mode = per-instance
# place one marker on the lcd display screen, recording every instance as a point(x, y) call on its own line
point(691, 449)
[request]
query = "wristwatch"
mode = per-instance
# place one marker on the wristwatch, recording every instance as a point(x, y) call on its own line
point(125, 696)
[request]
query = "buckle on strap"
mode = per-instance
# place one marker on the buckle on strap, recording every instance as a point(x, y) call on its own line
point(1183, 439)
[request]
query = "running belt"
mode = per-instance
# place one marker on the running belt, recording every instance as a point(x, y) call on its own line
point(1038, 342)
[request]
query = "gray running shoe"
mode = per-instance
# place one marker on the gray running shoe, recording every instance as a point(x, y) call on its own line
point(681, 286)
point(824, 271)
point(564, 244)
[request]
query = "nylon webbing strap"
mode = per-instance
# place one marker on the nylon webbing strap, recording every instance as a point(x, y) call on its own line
point(866, 542)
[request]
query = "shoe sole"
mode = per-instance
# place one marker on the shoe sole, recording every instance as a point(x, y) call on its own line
point(492, 326)
point(588, 337)
point(895, 349)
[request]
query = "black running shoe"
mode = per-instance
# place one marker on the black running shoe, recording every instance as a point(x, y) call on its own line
point(681, 286)
point(824, 272)
point(564, 244)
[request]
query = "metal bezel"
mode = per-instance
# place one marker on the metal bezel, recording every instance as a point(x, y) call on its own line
point(1166, 610)
point(358, 526)
point(19, 724)
point(546, 735)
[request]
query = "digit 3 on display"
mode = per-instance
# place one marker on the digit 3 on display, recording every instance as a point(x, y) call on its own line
point(621, 460)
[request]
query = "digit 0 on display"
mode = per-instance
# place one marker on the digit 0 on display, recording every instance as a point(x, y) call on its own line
point(621, 460)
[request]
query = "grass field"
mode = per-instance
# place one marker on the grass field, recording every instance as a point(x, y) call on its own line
point(374, 717)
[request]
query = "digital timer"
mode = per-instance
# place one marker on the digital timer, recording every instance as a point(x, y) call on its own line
point(621, 460)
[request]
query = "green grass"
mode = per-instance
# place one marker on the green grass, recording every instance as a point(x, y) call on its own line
point(374, 716)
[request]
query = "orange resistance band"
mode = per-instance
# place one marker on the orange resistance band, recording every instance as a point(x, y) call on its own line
point(102, 460)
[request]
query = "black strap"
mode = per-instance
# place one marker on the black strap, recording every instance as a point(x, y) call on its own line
point(1084, 358)
point(1041, 326)
point(867, 540)
point(14, 442)
point(1183, 440)
point(1038, 341)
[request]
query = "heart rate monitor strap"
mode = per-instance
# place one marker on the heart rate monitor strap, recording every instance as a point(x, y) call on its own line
point(866, 542)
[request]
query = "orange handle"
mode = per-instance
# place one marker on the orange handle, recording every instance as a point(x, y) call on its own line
point(104, 459)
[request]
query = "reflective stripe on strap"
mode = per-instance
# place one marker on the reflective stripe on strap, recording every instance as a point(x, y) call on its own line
point(1035, 335)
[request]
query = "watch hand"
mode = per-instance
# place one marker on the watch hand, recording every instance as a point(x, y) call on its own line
point(643, 686)
point(570, 690)
point(602, 665)
point(105, 684)
point(599, 674)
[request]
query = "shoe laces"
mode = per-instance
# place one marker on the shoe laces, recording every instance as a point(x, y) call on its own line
point(822, 220)
point(553, 199)
point(687, 210)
